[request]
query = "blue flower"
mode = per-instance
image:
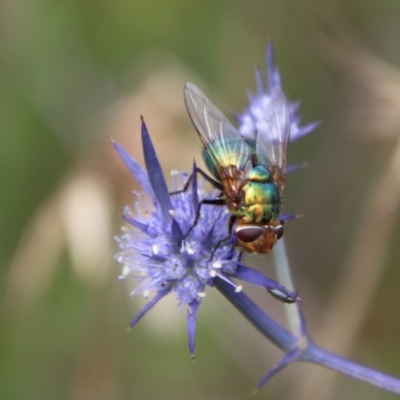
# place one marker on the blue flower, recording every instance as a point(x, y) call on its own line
point(252, 119)
point(155, 250)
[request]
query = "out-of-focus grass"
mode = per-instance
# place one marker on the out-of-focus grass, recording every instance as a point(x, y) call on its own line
point(74, 72)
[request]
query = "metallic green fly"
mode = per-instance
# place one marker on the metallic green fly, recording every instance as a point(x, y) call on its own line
point(251, 174)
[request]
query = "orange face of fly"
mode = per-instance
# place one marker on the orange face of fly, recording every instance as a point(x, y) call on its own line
point(258, 238)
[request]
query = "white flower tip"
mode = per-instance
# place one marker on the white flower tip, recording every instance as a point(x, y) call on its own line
point(238, 289)
point(146, 294)
point(201, 294)
point(155, 249)
point(213, 274)
point(189, 249)
point(174, 173)
point(125, 271)
point(171, 212)
point(217, 264)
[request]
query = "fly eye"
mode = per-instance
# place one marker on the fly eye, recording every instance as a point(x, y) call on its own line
point(249, 234)
point(279, 231)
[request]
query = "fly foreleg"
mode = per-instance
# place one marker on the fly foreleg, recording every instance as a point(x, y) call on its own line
point(207, 177)
point(232, 220)
point(215, 202)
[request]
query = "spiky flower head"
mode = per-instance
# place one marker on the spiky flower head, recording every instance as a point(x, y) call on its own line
point(156, 250)
point(252, 119)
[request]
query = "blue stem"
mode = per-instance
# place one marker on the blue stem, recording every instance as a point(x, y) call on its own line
point(322, 357)
point(310, 352)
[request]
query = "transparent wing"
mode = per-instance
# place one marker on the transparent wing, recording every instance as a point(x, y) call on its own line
point(221, 139)
point(273, 135)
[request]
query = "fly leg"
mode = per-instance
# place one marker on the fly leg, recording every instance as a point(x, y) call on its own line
point(207, 177)
point(215, 202)
point(232, 220)
point(218, 201)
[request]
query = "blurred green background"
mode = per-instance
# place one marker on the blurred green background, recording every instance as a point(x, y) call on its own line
point(73, 73)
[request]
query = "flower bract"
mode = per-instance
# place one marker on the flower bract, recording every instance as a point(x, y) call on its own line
point(252, 119)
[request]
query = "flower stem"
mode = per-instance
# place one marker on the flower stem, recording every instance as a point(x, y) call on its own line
point(322, 357)
point(308, 351)
point(266, 325)
point(282, 267)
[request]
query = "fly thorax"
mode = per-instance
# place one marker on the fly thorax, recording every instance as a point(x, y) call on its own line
point(261, 198)
point(260, 212)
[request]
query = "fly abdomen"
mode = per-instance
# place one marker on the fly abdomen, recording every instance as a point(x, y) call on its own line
point(227, 153)
point(259, 174)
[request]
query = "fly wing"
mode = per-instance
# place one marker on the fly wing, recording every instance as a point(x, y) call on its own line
point(228, 150)
point(273, 135)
